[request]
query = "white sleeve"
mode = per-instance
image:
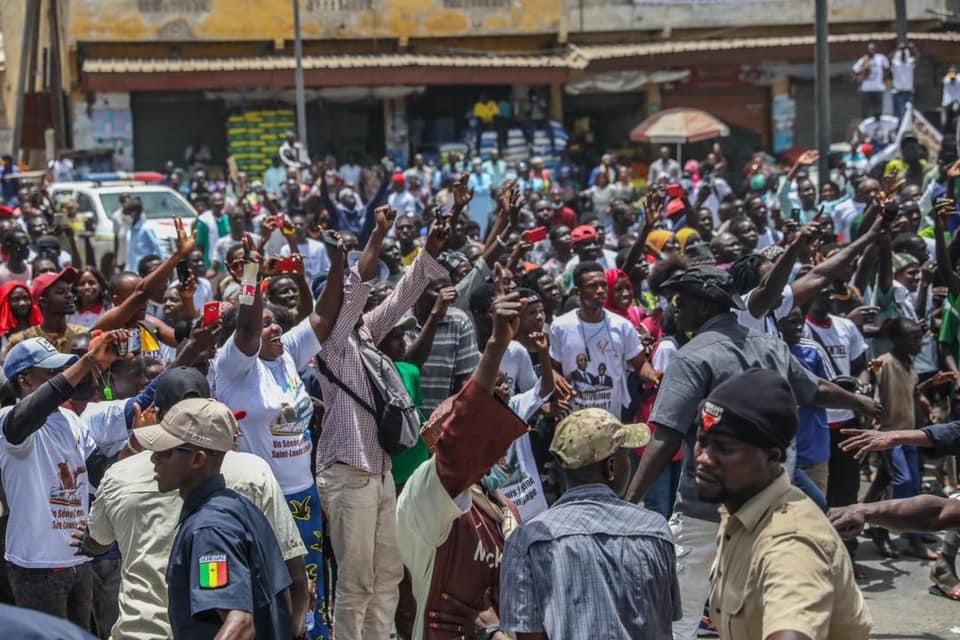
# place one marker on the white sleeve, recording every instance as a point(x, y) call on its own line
point(285, 250)
point(857, 345)
point(231, 362)
point(425, 515)
point(301, 343)
point(106, 422)
point(556, 341)
point(526, 404)
point(665, 352)
point(858, 65)
point(787, 304)
point(632, 347)
point(526, 378)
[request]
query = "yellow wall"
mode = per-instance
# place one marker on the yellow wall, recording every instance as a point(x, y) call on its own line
point(226, 20)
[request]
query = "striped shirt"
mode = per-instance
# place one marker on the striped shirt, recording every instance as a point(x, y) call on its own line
point(349, 432)
point(590, 566)
point(453, 354)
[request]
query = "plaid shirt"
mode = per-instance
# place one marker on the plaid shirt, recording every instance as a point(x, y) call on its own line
point(349, 432)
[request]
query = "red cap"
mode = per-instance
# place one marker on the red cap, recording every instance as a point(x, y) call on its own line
point(583, 233)
point(866, 149)
point(5, 211)
point(676, 206)
point(398, 179)
point(45, 280)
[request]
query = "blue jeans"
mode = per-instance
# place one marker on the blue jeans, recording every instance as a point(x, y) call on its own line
point(663, 492)
point(900, 100)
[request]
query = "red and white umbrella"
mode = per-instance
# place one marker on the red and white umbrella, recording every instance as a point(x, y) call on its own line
point(679, 126)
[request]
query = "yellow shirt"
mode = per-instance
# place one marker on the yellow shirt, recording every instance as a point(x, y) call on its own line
point(408, 259)
point(780, 566)
point(131, 510)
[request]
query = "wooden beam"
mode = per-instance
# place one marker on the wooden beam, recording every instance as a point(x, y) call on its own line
point(403, 76)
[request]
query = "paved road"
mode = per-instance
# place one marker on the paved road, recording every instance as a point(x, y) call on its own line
point(896, 592)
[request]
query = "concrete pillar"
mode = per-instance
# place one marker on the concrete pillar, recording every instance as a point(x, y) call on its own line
point(556, 102)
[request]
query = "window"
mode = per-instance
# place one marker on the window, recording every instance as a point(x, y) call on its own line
point(156, 204)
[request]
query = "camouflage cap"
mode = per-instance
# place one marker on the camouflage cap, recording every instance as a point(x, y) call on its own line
point(591, 435)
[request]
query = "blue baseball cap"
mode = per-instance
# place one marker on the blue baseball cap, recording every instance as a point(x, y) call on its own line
point(35, 352)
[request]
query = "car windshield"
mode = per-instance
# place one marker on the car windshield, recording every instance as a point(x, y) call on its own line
point(156, 204)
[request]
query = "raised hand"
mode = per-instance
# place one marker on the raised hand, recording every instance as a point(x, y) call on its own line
point(385, 216)
point(437, 236)
point(953, 171)
point(104, 347)
point(186, 242)
point(539, 340)
point(445, 298)
point(808, 158)
point(461, 195)
point(506, 317)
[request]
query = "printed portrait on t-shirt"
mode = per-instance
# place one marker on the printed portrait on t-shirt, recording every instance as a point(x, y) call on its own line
point(593, 389)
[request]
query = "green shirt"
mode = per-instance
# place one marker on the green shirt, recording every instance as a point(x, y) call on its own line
point(950, 326)
point(404, 464)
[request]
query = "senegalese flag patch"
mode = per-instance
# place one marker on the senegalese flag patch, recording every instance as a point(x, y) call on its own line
point(213, 571)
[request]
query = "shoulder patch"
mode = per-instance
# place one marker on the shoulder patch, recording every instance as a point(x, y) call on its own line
point(213, 571)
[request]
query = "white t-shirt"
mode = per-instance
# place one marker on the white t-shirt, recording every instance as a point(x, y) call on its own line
point(594, 357)
point(277, 405)
point(844, 343)
point(315, 260)
point(901, 68)
point(874, 77)
point(48, 492)
point(223, 245)
point(843, 216)
point(107, 424)
point(523, 486)
point(518, 368)
point(766, 323)
point(86, 318)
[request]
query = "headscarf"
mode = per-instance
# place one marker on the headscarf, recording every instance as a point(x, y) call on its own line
point(684, 235)
point(7, 320)
point(658, 238)
point(614, 276)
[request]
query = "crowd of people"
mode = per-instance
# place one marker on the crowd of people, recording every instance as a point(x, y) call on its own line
point(469, 398)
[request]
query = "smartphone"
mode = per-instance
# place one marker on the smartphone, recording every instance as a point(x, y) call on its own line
point(183, 271)
point(278, 220)
point(287, 265)
point(134, 342)
point(890, 211)
point(329, 238)
point(211, 313)
point(675, 190)
point(59, 220)
point(534, 235)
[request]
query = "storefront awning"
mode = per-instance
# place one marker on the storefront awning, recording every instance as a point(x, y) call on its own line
point(749, 50)
point(171, 74)
point(548, 67)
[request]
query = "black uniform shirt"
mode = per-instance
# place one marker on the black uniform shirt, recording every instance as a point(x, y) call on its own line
point(225, 557)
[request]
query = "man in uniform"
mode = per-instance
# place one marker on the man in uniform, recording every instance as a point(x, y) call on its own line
point(226, 576)
point(131, 510)
point(781, 571)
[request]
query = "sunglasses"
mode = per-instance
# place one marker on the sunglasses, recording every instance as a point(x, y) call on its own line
point(163, 455)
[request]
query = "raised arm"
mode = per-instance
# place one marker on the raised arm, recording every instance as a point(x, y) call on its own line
point(944, 264)
point(250, 316)
point(382, 318)
point(766, 296)
point(823, 274)
point(31, 413)
point(152, 285)
point(327, 309)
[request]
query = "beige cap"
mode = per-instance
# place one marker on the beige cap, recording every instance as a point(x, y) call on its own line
point(591, 435)
point(197, 422)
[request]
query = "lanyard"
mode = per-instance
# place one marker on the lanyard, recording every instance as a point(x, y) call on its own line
point(605, 328)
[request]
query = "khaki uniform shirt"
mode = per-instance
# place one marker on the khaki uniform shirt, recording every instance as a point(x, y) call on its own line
point(129, 509)
point(780, 566)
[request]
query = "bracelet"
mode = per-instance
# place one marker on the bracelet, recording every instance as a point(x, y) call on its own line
point(501, 243)
point(488, 633)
